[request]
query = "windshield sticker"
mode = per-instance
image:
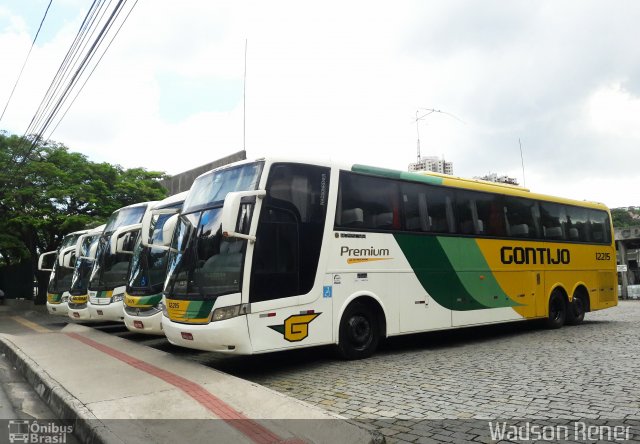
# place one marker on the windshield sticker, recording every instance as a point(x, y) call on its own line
point(296, 327)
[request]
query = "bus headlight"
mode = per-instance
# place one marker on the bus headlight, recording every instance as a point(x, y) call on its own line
point(163, 309)
point(222, 313)
point(118, 298)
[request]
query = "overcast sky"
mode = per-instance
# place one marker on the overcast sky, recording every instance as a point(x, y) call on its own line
point(343, 80)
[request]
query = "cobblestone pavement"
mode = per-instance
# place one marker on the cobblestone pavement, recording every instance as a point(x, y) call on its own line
point(518, 371)
point(450, 386)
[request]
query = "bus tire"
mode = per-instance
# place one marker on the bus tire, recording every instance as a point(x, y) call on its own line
point(557, 310)
point(576, 311)
point(359, 335)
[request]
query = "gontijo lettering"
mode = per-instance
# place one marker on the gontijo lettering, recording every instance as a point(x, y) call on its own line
point(530, 255)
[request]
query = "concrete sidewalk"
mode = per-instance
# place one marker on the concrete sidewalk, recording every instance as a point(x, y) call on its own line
point(117, 391)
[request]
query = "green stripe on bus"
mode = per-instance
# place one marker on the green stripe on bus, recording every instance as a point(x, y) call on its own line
point(149, 300)
point(465, 256)
point(395, 174)
point(198, 309)
point(436, 261)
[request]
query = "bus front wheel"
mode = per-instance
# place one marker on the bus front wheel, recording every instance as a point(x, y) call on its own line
point(359, 334)
point(557, 310)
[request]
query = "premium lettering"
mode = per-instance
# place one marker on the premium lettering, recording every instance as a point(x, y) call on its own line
point(534, 256)
point(364, 252)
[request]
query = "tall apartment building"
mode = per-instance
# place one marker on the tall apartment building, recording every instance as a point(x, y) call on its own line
point(432, 163)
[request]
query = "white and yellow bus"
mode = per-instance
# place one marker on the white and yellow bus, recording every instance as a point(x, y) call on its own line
point(110, 271)
point(148, 269)
point(273, 255)
point(85, 253)
point(61, 273)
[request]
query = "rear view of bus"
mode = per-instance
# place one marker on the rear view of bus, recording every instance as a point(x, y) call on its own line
point(143, 296)
point(61, 274)
point(108, 279)
point(86, 247)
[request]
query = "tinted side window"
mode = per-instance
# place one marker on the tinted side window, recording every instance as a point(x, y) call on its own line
point(553, 221)
point(578, 224)
point(520, 217)
point(480, 213)
point(600, 227)
point(428, 208)
point(367, 202)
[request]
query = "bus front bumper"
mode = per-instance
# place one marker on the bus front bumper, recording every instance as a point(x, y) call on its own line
point(61, 309)
point(80, 314)
point(107, 312)
point(151, 325)
point(228, 336)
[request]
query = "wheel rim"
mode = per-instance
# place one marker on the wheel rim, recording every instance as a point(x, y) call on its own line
point(359, 331)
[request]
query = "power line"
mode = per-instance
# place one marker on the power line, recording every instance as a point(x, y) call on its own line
point(26, 59)
point(87, 58)
point(95, 30)
point(65, 66)
point(93, 69)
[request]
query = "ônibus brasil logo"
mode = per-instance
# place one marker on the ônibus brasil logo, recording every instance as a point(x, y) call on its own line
point(38, 432)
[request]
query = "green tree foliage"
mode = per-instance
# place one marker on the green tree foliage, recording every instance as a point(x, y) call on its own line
point(625, 217)
point(47, 191)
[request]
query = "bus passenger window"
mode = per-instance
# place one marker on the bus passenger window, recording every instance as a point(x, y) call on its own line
point(367, 202)
point(553, 220)
point(600, 226)
point(578, 224)
point(518, 215)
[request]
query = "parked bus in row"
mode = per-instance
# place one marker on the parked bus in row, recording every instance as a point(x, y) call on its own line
point(61, 273)
point(148, 267)
point(108, 279)
point(272, 255)
point(86, 247)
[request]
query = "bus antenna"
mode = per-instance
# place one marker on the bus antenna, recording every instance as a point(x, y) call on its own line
point(524, 181)
point(244, 101)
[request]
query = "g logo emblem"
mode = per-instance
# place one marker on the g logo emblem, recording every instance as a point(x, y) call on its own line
point(296, 327)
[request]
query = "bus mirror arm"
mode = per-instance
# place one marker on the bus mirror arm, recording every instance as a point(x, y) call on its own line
point(41, 261)
point(231, 213)
point(66, 257)
point(115, 246)
point(149, 218)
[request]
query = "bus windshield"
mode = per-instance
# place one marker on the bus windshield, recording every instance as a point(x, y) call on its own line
point(111, 270)
point(206, 264)
point(84, 265)
point(211, 189)
point(203, 264)
point(60, 280)
point(148, 265)
point(124, 217)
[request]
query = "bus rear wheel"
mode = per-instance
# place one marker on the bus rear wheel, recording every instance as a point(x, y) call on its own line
point(359, 335)
point(557, 310)
point(577, 310)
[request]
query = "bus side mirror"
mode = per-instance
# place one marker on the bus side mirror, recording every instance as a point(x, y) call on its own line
point(48, 265)
point(79, 244)
point(154, 236)
point(232, 219)
point(118, 242)
point(68, 257)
